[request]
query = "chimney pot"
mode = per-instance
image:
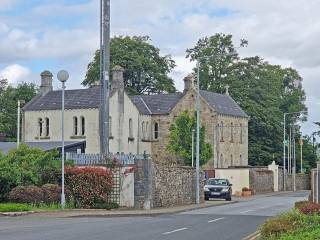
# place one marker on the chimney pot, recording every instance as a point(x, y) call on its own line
point(46, 82)
point(117, 78)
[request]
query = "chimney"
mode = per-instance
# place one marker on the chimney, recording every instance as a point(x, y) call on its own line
point(117, 78)
point(46, 82)
point(227, 89)
point(189, 82)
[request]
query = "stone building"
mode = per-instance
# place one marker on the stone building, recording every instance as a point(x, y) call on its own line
point(138, 124)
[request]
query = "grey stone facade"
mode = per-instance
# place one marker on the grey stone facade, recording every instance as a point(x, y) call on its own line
point(261, 180)
point(158, 185)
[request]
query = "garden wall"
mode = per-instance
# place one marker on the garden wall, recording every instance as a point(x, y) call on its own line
point(158, 185)
point(261, 180)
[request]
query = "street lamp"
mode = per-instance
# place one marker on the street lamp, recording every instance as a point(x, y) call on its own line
point(284, 145)
point(63, 77)
point(18, 121)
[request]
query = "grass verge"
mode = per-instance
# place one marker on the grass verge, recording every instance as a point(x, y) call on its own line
point(14, 207)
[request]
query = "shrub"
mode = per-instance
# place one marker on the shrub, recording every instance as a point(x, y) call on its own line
point(51, 193)
point(14, 207)
point(308, 208)
point(29, 194)
point(89, 186)
point(285, 223)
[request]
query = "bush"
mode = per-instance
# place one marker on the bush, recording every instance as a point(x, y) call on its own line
point(29, 194)
point(89, 186)
point(51, 193)
point(285, 223)
point(14, 207)
point(308, 208)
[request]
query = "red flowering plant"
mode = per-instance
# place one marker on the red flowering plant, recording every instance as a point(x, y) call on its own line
point(89, 186)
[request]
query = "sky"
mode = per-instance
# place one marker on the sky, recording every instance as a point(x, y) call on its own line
point(37, 35)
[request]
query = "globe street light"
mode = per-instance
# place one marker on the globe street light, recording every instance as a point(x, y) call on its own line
point(63, 77)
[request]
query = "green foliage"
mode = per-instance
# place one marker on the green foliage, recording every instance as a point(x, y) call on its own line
point(89, 186)
point(146, 72)
point(25, 166)
point(9, 97)
point(14, 207)
point(290, 225)
point(264, 91)
point(180, 139)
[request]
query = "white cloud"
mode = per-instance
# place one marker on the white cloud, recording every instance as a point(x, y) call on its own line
point(15, 74)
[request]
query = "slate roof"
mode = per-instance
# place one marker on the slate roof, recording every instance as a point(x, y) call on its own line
point(223, 104)
point(74, 99)
point(45, 146)
point(146, 104)
point(156, 104)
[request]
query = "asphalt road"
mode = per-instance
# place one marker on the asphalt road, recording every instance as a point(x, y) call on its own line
point(227, 222)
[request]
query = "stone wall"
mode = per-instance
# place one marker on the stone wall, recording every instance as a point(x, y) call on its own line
point(303, 182)
point(158, 185)
point(261, 180)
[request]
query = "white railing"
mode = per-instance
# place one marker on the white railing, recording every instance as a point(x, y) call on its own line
point(96, 159)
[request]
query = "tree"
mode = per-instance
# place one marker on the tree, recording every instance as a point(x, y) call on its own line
point(264, 91)
point(9, 97)
point(146, 72)
point(180, 140)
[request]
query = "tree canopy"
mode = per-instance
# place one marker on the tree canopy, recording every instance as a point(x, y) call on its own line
point(180, 140)
point(9, 96)
point(146, 71)
point(263, 90)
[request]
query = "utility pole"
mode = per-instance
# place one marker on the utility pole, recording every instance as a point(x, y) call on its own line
point(198, 137)
point(192, 145)
point(294, 160)
point(104, 75)
point(18, 125)
point(301, 144)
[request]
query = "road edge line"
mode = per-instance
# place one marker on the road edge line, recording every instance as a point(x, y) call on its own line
point(252, 236)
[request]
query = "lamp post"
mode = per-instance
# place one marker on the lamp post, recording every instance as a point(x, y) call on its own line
point(18, 121)
point(284, 146)
point(63, 77)
point(192, 146)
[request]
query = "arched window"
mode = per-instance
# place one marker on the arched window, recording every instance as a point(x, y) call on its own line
point(231, 158)
point(221, 132)
point(40, 127)
point(147, 131)
point(143, 131)
point(240, 159)
point(231, 132)
point(221, 160)
point(47, 123)
point(75, 126)
point(156, 130)
point(83, 126)
point(130, 128)
point(110, 126)
point(241, 134)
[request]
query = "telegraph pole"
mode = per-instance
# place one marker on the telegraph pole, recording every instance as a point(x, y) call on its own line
point(104, 75)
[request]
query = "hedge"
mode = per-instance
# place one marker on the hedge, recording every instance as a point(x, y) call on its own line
point(89, 186)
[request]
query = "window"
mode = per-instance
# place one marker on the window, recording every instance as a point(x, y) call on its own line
point(130, 129)
point(40, 127)
point(241, 134)
point(75, 126)
point(147, 131)
point(221, 160)
point(83, 126)
point(110, 126)
point(47, 126)
point(156, 130)
point(240, 159)
point(221, 132)
point(143, 131)
point(231, 132)
point(231, 158)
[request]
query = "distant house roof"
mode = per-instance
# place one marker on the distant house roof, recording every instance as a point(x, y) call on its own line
point(45, 146)
point(146, 104)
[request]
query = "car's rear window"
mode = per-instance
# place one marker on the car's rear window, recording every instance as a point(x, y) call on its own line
point(217, 182)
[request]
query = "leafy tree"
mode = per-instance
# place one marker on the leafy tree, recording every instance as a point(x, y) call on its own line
point(264, 91)
point(180, 140)
point(146, 72)
point(9, 97)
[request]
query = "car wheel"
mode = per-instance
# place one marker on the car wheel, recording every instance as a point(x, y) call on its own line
point(206, 198)
point(228, 199)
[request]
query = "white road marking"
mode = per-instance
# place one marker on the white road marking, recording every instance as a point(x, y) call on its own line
point(214, 220)
point(252, 210)
point(177, 230)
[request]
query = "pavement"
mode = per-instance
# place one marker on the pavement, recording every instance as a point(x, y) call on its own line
point(218, 222)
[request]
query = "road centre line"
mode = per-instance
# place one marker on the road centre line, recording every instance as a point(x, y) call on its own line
point(215, 220)
point(177, 230)
point(252, 210)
